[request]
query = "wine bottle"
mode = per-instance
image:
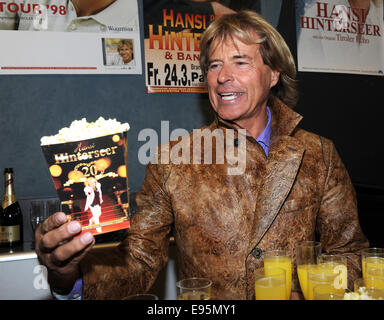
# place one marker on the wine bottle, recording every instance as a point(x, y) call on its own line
point(11, 218)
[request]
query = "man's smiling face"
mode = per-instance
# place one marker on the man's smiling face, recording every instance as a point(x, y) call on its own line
point(238, 80)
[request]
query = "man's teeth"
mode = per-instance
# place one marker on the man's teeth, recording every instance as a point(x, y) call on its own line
point(229, 95)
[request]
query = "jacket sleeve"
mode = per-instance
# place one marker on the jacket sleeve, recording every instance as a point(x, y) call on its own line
point(338, 222)
point(133, 265)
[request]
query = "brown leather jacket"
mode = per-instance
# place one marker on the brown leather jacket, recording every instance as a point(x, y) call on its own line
point(222, 223)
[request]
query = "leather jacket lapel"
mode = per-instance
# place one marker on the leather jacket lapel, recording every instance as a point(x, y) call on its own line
point(283, 163)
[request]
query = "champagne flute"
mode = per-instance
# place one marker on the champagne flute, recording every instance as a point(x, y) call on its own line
point(270, 284)
point(194, 289)
point(280, 259)
point(306, 259)
point(37, 215)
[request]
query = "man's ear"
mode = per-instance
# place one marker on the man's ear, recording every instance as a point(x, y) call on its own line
point(274, 78)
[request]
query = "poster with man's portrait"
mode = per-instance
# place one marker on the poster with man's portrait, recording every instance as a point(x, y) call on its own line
point(119, 53)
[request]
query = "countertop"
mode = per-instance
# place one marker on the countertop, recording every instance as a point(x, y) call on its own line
point(27, 251)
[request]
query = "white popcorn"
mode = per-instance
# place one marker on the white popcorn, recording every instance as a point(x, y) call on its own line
point(361, 295)
point(82, 130)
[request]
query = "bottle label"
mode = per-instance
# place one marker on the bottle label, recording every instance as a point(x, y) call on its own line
point(8, 200)
point(9, 234)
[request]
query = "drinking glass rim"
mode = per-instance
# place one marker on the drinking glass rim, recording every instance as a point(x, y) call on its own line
point(308, 243)
point(181, 286)
point(336, 255)
point(270, 252)
point(36, 202)
point(372, 250)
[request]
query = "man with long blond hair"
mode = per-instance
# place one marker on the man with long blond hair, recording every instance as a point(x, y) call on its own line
point(294, 187)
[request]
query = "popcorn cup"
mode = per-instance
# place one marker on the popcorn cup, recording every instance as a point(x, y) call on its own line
point(91, 180)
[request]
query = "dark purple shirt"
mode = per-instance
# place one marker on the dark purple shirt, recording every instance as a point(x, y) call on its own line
point(265, 136)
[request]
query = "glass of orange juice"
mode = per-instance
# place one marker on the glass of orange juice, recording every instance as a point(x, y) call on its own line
point(270, 284)
point(372, 256)
point(317, 275)
point(280, 259)
point(336, 264)
point(374, 276)
point(326, 292)
point(194, 289)
point(307, 253)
